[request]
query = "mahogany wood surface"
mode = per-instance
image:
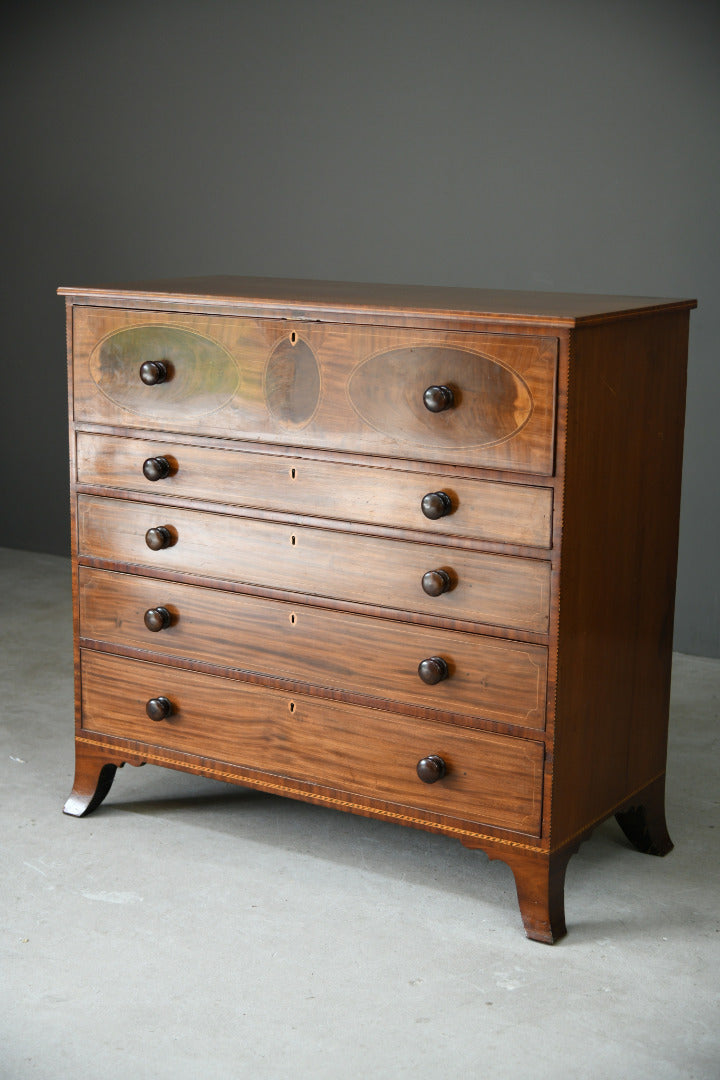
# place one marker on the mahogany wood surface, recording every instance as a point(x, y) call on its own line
point(643, 820)
point(406, 552)
point(490, 589)
point(489, 678)
point(490, 779)
point(338, 299)
point(619, 554)
point(94, 775)
point(540, 885)
point(366, 385)
point(509, 513)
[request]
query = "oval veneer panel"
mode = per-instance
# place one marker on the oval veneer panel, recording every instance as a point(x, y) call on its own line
point(202, 375)
point(292, 383)
point(492, 403)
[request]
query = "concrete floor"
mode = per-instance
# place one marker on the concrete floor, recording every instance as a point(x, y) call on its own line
point(189, 929)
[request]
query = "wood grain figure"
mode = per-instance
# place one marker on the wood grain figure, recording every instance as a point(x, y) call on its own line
point(404, 552)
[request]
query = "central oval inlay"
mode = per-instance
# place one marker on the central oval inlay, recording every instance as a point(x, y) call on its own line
point(491, 402)
point(292, 383)
point(202, 376)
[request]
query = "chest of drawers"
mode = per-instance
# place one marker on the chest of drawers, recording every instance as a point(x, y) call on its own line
point(405, 552)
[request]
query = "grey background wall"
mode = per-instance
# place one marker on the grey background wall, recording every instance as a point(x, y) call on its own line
point(518, 144)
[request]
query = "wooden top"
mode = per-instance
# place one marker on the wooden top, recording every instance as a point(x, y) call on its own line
point(305, 298)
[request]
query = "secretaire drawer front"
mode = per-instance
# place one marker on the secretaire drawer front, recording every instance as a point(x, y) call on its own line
point(479, 399)
point(481, 509)
point(484, 677)
point(490, 779)
point(400, 575)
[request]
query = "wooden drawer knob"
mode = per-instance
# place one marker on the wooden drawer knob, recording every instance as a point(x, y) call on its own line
point(158, 538)
point(157, 618)
point(431, 768)
point(436, 582)
point(156, 468)
point(159, 708)
point(153, 372)
point(438, 398)
point(433, 670)
point(436, 504)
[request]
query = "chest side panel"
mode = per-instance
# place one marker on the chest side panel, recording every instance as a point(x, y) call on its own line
point(619, 554)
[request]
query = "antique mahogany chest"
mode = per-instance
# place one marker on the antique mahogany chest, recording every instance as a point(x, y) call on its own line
point(406, 552)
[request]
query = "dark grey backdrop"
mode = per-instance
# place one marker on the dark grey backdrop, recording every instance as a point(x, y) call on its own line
point(521, 144)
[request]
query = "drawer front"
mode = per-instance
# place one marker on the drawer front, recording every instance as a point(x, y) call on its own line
point(491, 589)
point(487, 677)
point(323, 385)
point(491, 779)
point(508, 513)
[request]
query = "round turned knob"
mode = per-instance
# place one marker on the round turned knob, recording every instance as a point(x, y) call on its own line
point(158, 538)
point(436, 504)
point(436, 582)
point(438, 398)
point(153, 372)
point(156, 468)
point(159, 708)
point(431, 768)
point(433, 670)
point(157, 618)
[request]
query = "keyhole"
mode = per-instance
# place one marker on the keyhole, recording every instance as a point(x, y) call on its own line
point(292, 539)
point(291, 706)
point(292, 474)
point(293, 618)
point(293, 338)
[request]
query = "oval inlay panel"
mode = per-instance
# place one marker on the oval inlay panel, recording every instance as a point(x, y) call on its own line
point(491, 402)
point(292, 383)
point(202, 375)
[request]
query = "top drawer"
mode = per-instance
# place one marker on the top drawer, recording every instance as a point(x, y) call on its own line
point(347, 387)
